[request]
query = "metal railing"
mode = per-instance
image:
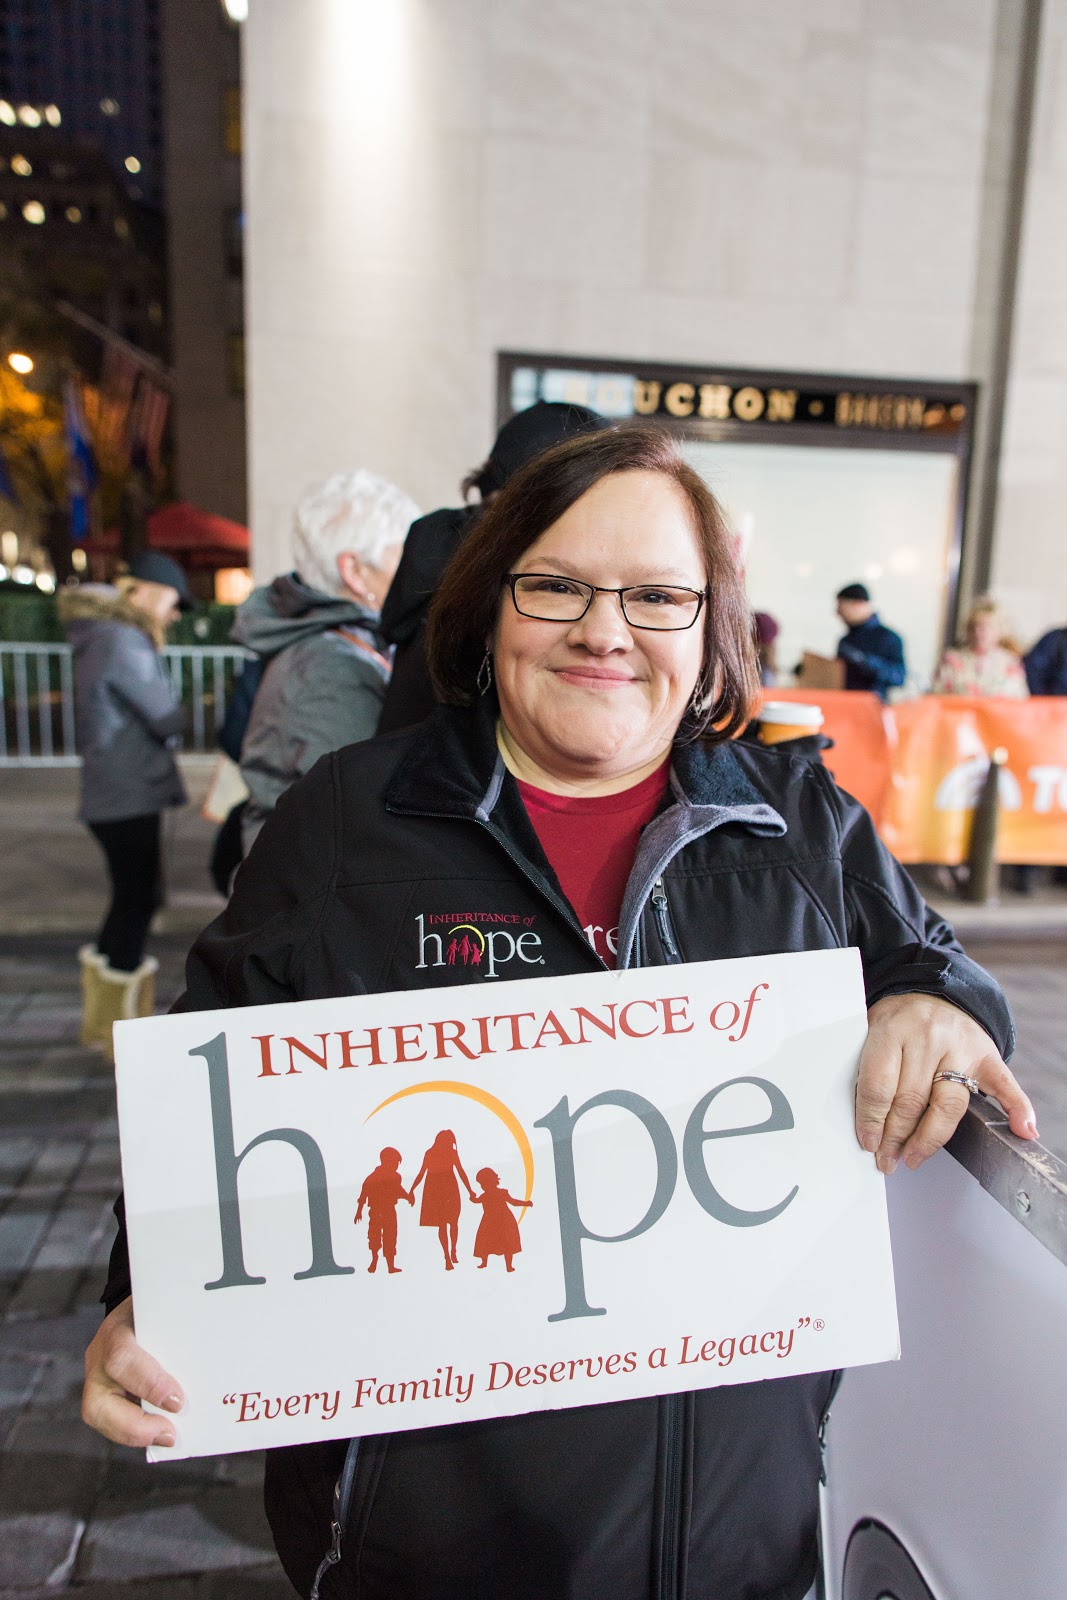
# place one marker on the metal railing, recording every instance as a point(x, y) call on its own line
point(37, 699)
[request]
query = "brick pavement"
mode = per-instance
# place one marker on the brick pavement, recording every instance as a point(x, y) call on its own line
point(79, 1516)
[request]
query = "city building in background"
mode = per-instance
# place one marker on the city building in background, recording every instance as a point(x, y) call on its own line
point(77, 237)
point(205, 228)
point(96, 65)
point(121, 304)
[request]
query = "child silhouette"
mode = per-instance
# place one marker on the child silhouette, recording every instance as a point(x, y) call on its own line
point(498, 1232)
point(382, 1190)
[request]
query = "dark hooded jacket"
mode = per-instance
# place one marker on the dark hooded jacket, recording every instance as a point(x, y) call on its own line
point(434, 539)
point(756, 850)
point(127, 717)
point(428, 548)
point(322, 686)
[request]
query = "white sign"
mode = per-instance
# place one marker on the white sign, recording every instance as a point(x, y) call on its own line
point(401, 1210)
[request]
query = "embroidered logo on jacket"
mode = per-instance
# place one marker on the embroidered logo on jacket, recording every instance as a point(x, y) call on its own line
point(485, 940)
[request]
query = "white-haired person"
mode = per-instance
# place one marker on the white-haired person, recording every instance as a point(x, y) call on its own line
point(316, 632)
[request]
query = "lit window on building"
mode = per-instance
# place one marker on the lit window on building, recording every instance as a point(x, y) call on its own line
point(29, 116)
point(33, 211)
point(21, 166)
point(231, 121)
point(132, 164)
point(7, 114)
point(73, 214)
point(53, 116)
point(122, 228)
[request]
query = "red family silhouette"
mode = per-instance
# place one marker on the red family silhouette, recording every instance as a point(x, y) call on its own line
point(498, 1232)
point(383, 1189)
point(466, 949)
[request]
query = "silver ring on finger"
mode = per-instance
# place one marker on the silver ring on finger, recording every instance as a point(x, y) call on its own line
point(970, 1084)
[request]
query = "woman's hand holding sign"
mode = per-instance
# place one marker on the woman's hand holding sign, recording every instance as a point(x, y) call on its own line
point(118, 1376)
point(902, 1111)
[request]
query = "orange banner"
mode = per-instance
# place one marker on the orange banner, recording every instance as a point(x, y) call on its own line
point(918, 767)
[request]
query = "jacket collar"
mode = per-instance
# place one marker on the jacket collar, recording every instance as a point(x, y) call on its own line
point(454, 769)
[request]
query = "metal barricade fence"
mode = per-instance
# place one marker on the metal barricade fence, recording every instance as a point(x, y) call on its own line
point(37, 699)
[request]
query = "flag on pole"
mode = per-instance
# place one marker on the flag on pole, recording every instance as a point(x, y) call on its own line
point(81, 468)
point(145, 422)
point(7, 488)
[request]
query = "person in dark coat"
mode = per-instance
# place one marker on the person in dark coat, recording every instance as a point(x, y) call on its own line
point(127, 720)
point(1046, 664)
point(433, 540)
point(590, 701)
point(873, 654)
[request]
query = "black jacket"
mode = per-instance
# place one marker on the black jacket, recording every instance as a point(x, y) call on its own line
point(1046, 664)
point(874, 657)
point(428, 548)
point(705, 1496)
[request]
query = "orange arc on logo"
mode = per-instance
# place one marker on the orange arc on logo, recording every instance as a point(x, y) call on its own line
point(483, 1098)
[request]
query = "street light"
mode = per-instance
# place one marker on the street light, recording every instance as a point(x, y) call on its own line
point(22, 364)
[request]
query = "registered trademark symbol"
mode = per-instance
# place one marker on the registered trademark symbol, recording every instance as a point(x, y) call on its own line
point(818, 1325)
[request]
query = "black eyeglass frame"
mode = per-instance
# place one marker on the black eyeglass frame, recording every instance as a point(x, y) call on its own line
point(701, 596)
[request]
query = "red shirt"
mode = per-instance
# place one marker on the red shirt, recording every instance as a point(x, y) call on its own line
point(591, 844)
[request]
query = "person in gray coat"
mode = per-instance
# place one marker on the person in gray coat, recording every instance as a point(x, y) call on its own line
point(127, 719)
point(316, 631)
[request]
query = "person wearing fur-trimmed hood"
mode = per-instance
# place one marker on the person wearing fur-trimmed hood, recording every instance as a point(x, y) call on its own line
point(127, 721)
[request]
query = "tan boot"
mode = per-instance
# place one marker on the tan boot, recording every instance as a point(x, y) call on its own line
point(91, 963)
point(123, 995)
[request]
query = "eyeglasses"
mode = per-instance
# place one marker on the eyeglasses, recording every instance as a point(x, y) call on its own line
point(657, 606)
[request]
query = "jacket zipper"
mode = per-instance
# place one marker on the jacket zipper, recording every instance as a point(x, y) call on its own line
point(662, 913)
point(342, 1504)
point(674, 1404)
point(670, 1549)
point(824, 1423)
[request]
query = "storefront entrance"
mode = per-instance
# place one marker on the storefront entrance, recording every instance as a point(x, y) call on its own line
point(826, 480)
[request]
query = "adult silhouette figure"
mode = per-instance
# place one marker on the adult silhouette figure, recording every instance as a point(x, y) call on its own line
point(440, 1197)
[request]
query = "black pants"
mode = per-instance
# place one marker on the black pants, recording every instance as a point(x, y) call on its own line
point(131, 846)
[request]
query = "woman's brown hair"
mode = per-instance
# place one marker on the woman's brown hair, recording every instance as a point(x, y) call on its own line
point(467, 602)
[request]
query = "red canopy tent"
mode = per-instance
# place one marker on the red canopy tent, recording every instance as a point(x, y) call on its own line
point(198, 539)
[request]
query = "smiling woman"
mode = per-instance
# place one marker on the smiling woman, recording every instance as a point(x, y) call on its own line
point(593, 643)
point(563, 595)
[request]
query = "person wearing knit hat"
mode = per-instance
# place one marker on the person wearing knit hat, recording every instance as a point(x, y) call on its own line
point(765, 628)
point(872, 653)
point(435, 538)
point(315, 630)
